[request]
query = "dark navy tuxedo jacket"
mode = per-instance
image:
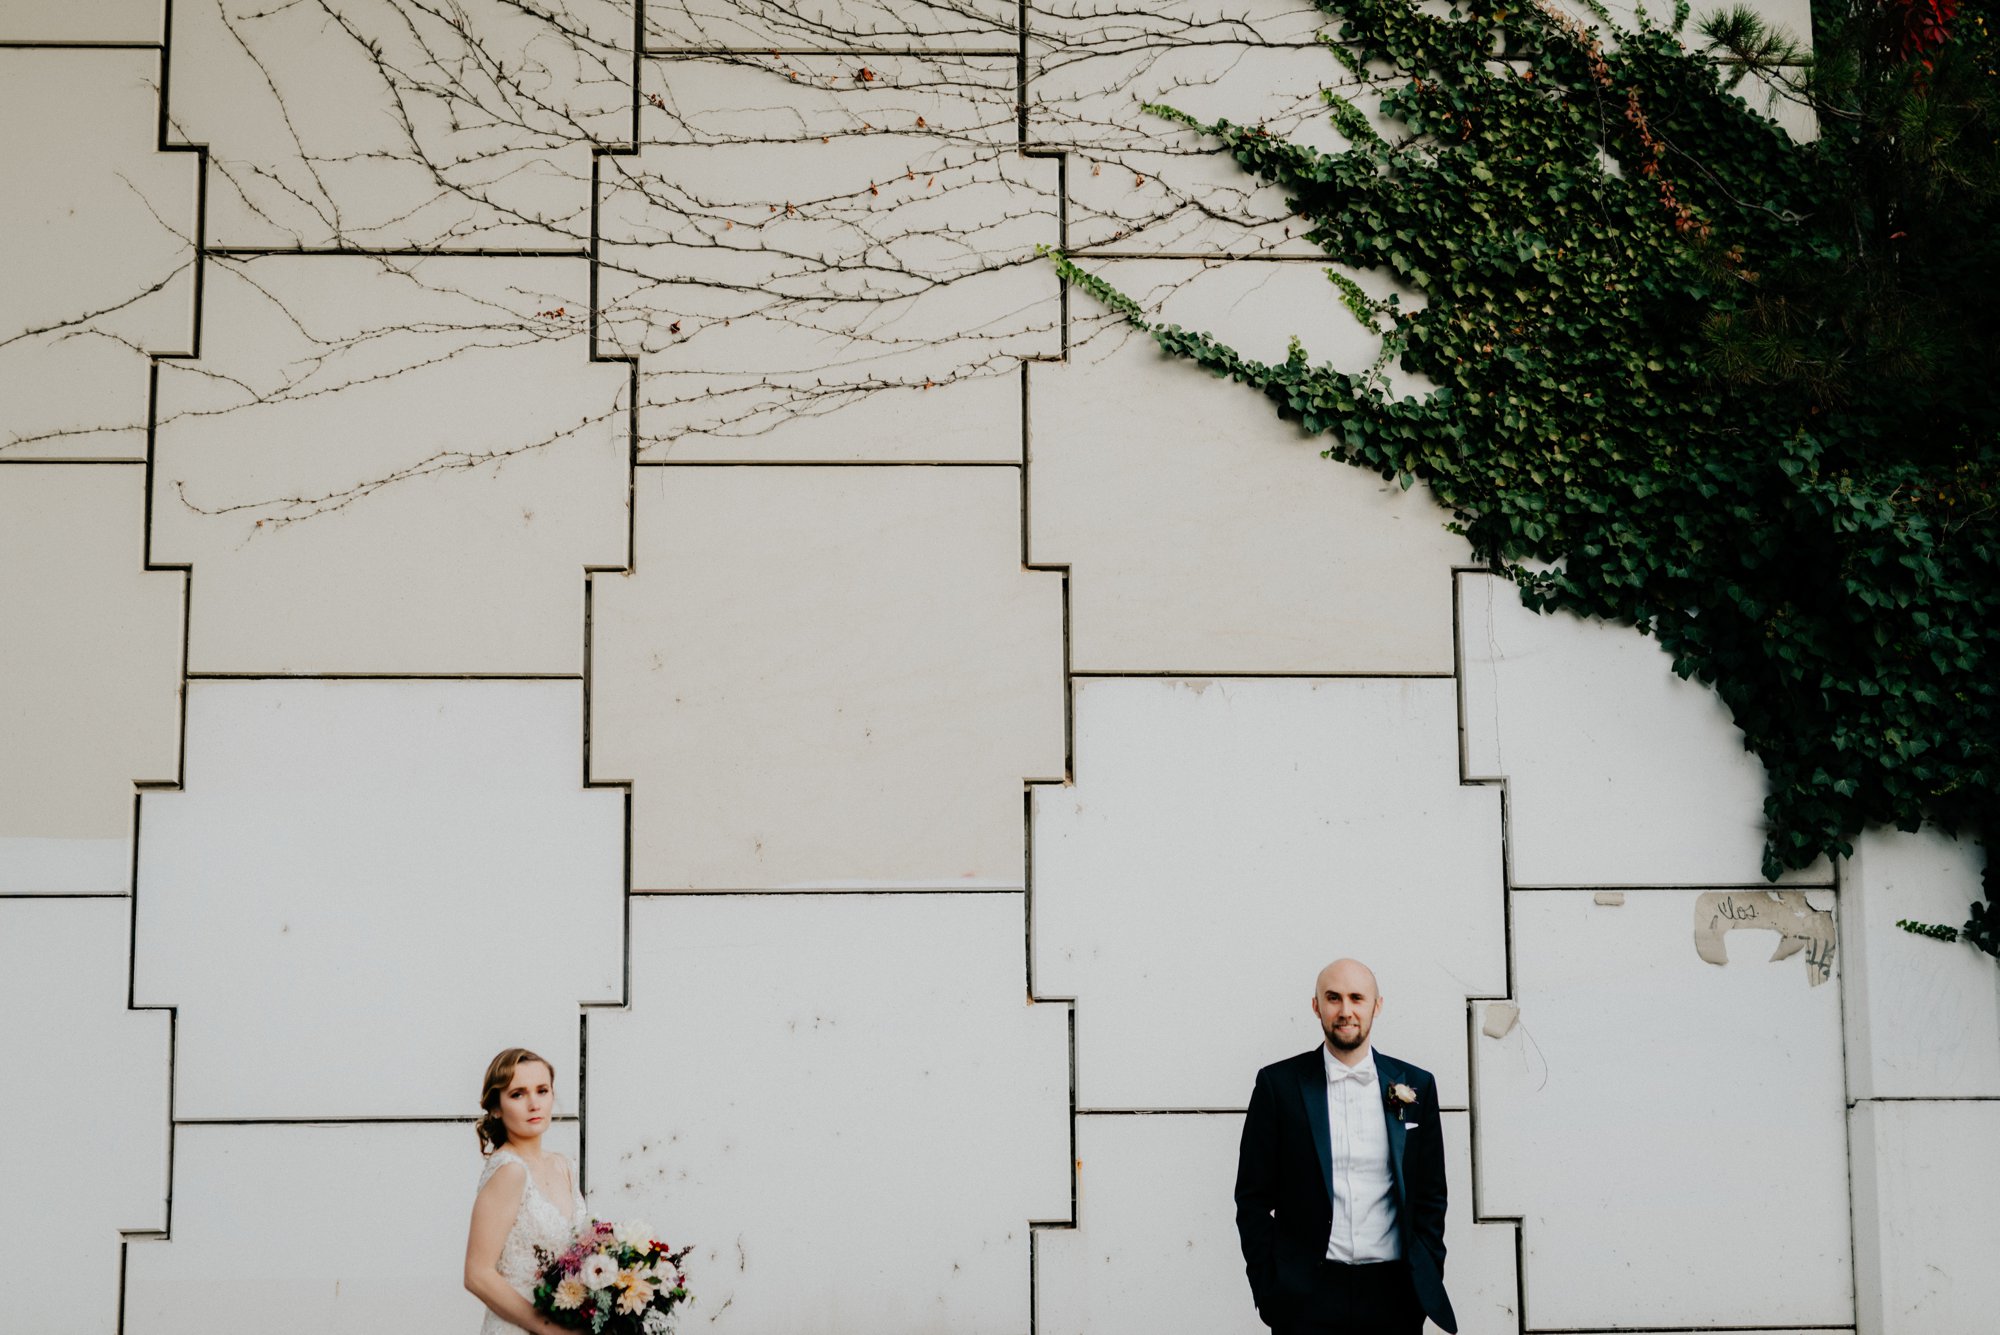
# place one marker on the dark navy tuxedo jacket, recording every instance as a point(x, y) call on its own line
point(1284, 1182)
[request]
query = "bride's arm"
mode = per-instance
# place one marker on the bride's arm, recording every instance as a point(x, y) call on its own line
point(493, 1213)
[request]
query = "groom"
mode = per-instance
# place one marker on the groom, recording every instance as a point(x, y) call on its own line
point(1340, 1180)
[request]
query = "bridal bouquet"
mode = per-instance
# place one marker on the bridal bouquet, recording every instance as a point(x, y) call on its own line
point(616, 1279)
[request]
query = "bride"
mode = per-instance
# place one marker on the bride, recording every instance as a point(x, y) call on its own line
point(528, 1196)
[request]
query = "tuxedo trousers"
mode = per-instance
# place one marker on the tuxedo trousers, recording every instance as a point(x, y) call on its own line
point(1373, 1298)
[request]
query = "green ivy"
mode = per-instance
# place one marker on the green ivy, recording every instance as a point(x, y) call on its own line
point(1709, 394)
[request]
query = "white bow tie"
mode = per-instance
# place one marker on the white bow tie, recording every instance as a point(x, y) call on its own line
point(1340, 1070)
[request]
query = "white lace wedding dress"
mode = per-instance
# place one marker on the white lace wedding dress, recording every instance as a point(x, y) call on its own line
point(541, 1223)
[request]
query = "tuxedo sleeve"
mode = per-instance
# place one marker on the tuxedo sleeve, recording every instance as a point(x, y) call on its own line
point(1257, 1191)
point(1426, 1179)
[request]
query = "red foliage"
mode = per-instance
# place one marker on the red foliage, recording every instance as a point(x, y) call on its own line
point(1922, 26)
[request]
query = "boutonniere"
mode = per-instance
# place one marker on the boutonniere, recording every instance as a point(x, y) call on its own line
point(1400, 1098)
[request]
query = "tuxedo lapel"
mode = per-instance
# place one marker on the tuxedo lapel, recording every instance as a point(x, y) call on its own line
point(1312, 1084)
point(1385, 1076)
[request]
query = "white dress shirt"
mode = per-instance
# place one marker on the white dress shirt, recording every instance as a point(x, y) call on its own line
point(1364, 1195)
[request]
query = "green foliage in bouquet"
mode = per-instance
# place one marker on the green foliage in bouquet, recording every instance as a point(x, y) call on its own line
point(1692, 376)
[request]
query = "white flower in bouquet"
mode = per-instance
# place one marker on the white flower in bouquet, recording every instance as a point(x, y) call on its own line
point(634, 1233)
point(656, 1322)
point(597, 1271)
point(570, 1294)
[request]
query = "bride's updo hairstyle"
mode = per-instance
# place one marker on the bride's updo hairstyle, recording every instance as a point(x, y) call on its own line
point(499, 1075)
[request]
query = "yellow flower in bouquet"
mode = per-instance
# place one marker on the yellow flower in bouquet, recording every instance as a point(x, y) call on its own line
point(634, 1293)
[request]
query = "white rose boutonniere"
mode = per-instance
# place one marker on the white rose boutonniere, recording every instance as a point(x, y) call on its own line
point(1401, 1098)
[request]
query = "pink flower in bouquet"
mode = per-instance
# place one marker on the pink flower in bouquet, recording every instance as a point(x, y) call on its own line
point(572, 1260)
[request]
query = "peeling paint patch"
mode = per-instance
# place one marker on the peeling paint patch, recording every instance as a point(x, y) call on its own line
point(1798, 924)
point(1610, 899)
point(1500, 1018)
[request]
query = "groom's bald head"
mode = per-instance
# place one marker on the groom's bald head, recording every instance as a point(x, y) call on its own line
point(1346, 976)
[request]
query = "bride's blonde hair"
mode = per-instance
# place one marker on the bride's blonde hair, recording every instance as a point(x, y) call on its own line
point(499, 1075)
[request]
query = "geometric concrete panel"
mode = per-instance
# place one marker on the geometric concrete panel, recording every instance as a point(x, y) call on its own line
point(69, 21)
point(815, 266)
point(1481, 1273)
point(391, 466)
point(1170, 22)
point(1485, 1257)
point(345, 1230)
point(1924, 1174)
point(1641, 1096)
point(90, 657)
point(1923, 1017)
point(856, 1113)
point(1618, 771)
point(85, 1154)
point(380, 125)
point(858, 25)
point(349, 874)
point(827, 678)
point(1141, 184)
point(98, 269)
point(1223, 840)
point(1155, 1247)
point(1204, 533)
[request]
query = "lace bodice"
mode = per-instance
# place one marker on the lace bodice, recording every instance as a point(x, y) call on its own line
point(541, 1223)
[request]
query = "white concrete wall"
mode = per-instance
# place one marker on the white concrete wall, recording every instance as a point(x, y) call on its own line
point(506, 539)
point(1923, 1088)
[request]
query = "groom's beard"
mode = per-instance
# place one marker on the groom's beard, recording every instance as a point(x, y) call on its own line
point(1347, 1040)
